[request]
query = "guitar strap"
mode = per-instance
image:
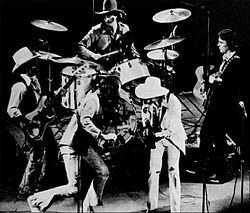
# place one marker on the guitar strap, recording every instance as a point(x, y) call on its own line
point(225, 64)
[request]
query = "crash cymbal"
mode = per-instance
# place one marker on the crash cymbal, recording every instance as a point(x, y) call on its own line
point(164, 43)
point(47, 55)
point(48, 25)
point(171, 15)
point(160, 54)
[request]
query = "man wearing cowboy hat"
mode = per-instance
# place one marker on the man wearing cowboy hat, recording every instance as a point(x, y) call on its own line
point(24, 97)
point(163, 113)
point(107, 36)
point(82, 137)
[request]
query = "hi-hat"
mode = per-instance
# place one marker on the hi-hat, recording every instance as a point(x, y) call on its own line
point(164, 43)
point(48, 25)
point(47, 55)
point(171, 15)
point(160, 54)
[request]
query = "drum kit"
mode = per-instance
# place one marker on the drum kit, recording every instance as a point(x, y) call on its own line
point(129, 71)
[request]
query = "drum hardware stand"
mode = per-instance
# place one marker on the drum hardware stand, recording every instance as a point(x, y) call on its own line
point(79, 185)
point(204, 187)
point(49, 75)
point(49, 68)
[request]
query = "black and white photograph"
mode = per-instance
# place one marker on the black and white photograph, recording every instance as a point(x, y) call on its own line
point(124, 106)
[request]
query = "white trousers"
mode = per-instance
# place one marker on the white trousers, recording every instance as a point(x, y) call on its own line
point(173, 174)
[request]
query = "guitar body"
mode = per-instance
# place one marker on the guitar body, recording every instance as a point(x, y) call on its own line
point(199, 89)
point(44, 114)
point(39, 120)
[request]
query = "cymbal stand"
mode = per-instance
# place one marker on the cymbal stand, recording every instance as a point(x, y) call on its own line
point(170, 71)
point(49, 70)
point(49, 74)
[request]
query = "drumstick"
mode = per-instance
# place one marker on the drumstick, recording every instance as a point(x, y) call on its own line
point(110, 53)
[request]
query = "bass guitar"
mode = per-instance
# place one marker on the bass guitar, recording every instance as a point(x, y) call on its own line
point(43, 115)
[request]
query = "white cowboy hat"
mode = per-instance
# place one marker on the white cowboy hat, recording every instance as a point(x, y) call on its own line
point(150, 89)
point(22, 56)
point(108, 7)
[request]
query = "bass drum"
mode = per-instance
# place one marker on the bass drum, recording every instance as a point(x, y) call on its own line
point(121, 120)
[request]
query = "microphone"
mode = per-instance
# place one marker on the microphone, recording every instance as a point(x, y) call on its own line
point(242, 106)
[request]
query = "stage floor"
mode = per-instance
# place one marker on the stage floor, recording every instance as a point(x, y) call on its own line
point(124, 195)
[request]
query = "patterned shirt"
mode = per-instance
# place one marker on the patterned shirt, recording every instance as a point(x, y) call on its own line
point(101, 39)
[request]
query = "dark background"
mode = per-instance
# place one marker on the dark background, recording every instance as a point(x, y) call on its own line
point(77, 15)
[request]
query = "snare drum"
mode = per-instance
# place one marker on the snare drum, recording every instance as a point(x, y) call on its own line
point(77, 90)
point(132, 70)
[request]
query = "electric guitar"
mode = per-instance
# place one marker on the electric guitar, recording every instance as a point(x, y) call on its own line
point(43, 114)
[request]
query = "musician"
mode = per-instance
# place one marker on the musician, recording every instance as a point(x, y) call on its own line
point(161, 114)
point(24, 97)
point(223, 111)
point(84, 137)
point(108, 36)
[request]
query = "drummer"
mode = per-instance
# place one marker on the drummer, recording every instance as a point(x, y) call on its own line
point(104, 40)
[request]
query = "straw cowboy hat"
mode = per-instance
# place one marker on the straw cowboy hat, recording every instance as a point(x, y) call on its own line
point(21, 57)
point(109, 6)
point(150, 89)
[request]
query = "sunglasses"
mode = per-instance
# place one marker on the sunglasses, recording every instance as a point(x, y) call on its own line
point(32, 71)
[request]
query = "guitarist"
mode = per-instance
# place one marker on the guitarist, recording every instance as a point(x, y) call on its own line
point(223, 112)
point(24, 97)
point(108, 36)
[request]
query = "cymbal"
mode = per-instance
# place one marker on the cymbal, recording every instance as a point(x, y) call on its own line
point(171, 15)
point(48, 25)
point(77, 61)
point(164, 43)
point(47, 55)
point(160, 54)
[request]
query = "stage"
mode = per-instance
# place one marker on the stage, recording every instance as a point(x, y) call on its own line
point(126, 190)
point(129, 195)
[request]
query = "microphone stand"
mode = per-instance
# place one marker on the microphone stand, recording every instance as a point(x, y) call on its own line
point(242, 161)
point(207, 65)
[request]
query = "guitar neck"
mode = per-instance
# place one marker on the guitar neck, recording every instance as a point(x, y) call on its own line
point(61, 91)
